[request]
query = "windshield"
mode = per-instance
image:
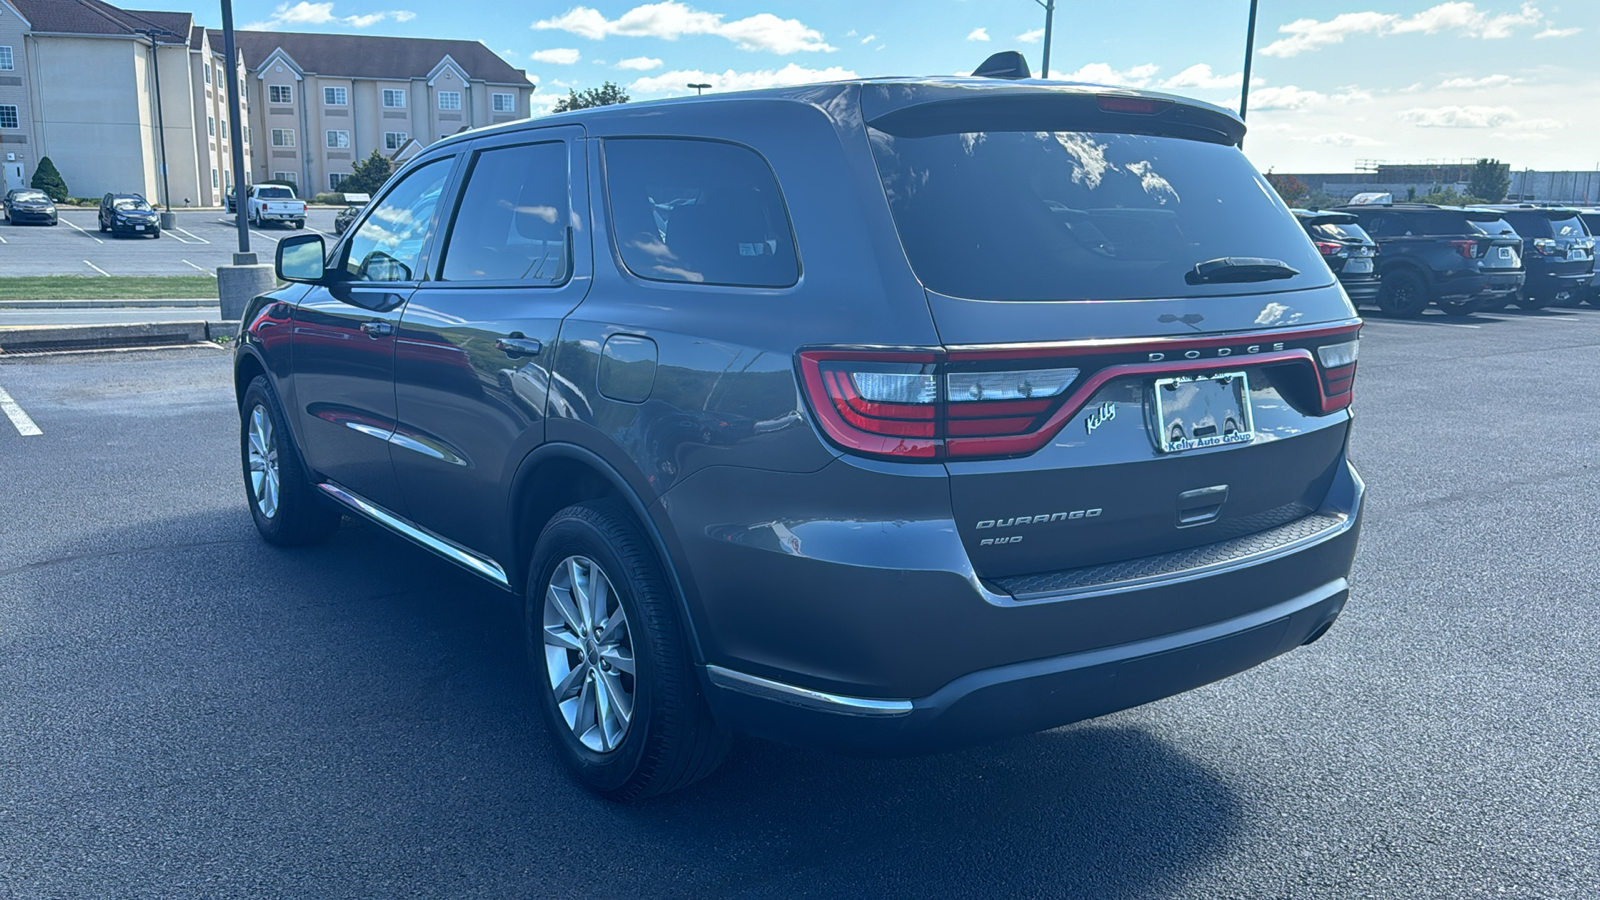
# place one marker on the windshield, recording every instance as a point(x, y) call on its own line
point(274, 193)
point(37, 196)
point(1037, 215)
point(133, 203)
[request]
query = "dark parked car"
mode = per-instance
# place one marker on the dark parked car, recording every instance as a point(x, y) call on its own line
point(128, 214)
point(1461, 259)
point(896, 415)
point(1591, 220)
point(1558, 252)
point(29, 205)
point(1348, 251)
point(354, 204)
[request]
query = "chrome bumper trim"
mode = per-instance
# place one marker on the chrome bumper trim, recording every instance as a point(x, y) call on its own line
point(461, 556)
point(805, 698)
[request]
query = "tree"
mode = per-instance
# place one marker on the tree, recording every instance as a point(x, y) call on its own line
point(48, 179)
point(604, 95)
point(368, 175)
point(1291, 189)
point(1490, 180)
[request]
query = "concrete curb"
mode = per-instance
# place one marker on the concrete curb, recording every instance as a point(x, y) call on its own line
point(108, 304)
point(54, 338)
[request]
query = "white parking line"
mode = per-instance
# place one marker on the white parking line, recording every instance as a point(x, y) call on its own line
point(85, 233)
point(191, 234)
point(97, 268)
point(173, 233)
point(267, 236)
point(4, 241)
point(197, 268)
point(17, 416)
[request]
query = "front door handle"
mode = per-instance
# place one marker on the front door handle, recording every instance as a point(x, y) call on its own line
point(517, 345)
point(378, 328)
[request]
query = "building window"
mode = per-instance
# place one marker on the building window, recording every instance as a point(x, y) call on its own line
point(394, 140)
point(287, 178)
point(449, 99)
point(280, 93)
point(6, 61)
point(335, 96)
point(283, 137)
point(246, 135)
point(8, 117)
point(393, 99)
point(505, 103)
point(335, 179)
point(214, 179)
point(241, 92)
point(338, 140)
point(211, 125)
point(208, 73)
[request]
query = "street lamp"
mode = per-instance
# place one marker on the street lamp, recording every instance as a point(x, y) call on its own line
point(1049, 22)
point(161, 129)
point(235, 128)
point(699, 88)
point(1249, 55)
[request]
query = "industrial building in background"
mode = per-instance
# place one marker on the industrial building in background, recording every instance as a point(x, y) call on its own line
point(78, 83)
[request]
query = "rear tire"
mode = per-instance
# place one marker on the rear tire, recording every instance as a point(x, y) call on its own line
point(1404, 293)
point(287, 508)
point(581, 650)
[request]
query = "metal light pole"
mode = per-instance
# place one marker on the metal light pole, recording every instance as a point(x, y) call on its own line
point(161, 128)
point(1249, 56)
point(246, 279)
point(1049, 26)
point(235, 127)
point(698, 88)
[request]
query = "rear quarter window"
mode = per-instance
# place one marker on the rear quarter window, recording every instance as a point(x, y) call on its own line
point(698, 212)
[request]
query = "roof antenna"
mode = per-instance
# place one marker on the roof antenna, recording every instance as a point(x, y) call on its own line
point(1005, 64)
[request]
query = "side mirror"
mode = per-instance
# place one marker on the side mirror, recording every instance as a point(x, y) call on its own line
point(300, 258)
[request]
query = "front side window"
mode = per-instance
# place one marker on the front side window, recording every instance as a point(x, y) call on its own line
point(279, 93)
point(511, 224)
point(1027, 214)
point(701, 212)
point(388, 245)
point(8, 117)
point(283, 137)
point(338, 140)
point(393, 99)
point(335, 96)
point(504, 103)
point(7, 61)
point(449, 99)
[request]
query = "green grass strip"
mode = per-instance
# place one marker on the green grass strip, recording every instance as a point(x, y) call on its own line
point(80, 287)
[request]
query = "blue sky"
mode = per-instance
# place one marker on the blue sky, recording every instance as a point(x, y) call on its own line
point(1333, 82)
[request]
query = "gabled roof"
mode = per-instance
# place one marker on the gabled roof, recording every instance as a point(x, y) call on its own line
point(96, 17)
point(372, 56)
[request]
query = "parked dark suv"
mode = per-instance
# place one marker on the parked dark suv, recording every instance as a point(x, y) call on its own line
point(1558, 251)
point(128, 214)
point(1461, 259)
point(1348, 251)
point(887, 415)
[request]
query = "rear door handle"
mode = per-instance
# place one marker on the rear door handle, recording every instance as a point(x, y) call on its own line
point(516, 346)
point(378, 328)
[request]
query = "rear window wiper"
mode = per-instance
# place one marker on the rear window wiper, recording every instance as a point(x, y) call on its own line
point(1236, 269)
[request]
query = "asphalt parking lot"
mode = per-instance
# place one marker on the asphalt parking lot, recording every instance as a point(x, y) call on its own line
point(186, 712)
point(202, 241)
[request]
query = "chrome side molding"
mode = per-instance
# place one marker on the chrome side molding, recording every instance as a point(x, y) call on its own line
point(805, 698)
point(473, 562)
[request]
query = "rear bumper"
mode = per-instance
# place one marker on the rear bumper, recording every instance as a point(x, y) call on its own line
point(836, 663)
point(1546, 284)
point(1481, 285)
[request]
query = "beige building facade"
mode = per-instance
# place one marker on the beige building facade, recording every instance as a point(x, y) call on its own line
point(109, 94)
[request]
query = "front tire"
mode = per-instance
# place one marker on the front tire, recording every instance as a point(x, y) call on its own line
point(1404, 294)
point(611, 664)
point(283, 502)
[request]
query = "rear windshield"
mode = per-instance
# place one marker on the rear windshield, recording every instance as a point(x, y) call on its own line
point(1038, 215)
point(1492, 227)
point(1335, 231)
point(1542, 225)
point(274, 193)
point(1593, 221)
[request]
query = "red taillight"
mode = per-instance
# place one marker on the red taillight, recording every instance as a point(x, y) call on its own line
point(1328, 248)
point(1139, 106)
point(1548, 247)
point(1468, 249)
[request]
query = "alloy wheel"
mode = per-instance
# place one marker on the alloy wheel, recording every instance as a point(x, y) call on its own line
point(265, 478)
point(589, 654)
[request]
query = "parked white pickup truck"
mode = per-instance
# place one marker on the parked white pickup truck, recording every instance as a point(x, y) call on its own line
point(276, 203)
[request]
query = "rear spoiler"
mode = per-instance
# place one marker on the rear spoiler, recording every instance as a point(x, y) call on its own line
point(1121, 112)
point(1329, 218)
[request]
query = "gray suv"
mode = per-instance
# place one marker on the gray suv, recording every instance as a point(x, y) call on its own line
point(886, 416)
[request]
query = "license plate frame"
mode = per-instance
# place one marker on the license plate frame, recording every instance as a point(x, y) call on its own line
point(1195, 403)
point(1359, 265)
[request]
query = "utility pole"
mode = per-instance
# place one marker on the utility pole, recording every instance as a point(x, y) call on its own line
point(161, 127)
point(1049, 26)
point(1249, 57)
point(235, 127)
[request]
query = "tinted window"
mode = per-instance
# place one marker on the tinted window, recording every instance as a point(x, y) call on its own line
point(1335, 231)
point(389, 242)
point(511, 224)
point(1040, 215)
point(1490, 227)
point(28, 195)
point(1541, 225)
point(698, 211)
point(274, 193)
point(130, 203)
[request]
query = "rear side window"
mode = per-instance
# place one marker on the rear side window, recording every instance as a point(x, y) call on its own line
point(511, 224)
point(700, 212)
point(1056, 215)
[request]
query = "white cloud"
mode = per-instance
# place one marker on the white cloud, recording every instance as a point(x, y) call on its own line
point(869, 39)
point(1485, 81)
point(1101, 73)
point(1556, 33)
point(1344, 139)
point(640, 64)
point(1031, 37)
point(1201, 77)
point(979, 34)
point(556, 56)
point(674, 82)
point(305, 13)
point(1287, 97)
point(1458, 16)
point(1474, 117)
point(671, 20)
